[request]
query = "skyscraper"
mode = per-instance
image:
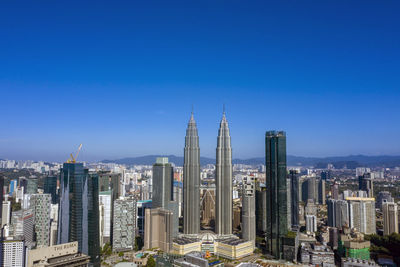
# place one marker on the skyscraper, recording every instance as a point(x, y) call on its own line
point(163, 188)
point(362, 214)
point(223, 180)
point(41, 206)
point(294, 207)
point(191, 180)
point(366, 183)
point(249, 210)
point(390, 218)
point(50, 187)
point(124, 230)
point(79, 210)
point(277, 226)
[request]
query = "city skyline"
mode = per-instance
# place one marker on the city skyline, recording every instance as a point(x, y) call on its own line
point(122, 82)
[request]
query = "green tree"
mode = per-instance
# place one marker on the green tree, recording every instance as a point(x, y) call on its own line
point(151, 262)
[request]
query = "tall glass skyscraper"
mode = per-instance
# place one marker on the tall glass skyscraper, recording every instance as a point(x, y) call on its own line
point(50, 187)
point(294, 193)
point(277, 212)
point(79, 210)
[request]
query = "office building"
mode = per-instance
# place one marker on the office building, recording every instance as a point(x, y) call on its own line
point(163, 175)
point(223, 181)
point(277, 226)
point(390, 218)
point(110, 181)
point(366, 183)
point(338, 213)
point(6, 213)
point(321, 192)
point(57, 256)
point(79, 210)
point(142, 205)
point(191, 180)
point(294, 203)
point(383, 196)
point(32, 185)
point(50, 187)
point(13, 187)
point(124, 224)
point(13, 252)
point(41, 206)
point(105, 199)
point(249, 210)
point(311, 223)
point(261, 209)
point(362, 214)
point(335, 191)
point(158, 229)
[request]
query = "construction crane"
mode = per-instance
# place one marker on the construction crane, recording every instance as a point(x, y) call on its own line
point(73, 159)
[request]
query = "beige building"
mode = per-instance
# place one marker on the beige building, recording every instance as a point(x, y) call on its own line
point(184, 245)
point(390, 218)
point(233, 248)
point(60, 255)
point(158, 229)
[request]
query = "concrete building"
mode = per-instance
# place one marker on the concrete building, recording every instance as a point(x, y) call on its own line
point(184, 245)
point(338, 213)
point(59, 255)
point(124, 224)
point(105, 199)
point(249, 210)
point(366, 183)
point(335, 191)
point(390, 218)
point(158, 229)
point(6, 213)
point(191, 180)
point(362, 214)
point(350, 262)
point(277, 226)
point(13, 252)
point(317, 255)
point(311, 223)
point(23, 224)
point(383, 196)
point(261, 209)
point(142, 205)
point(41, 206)
point(321, 192)
point(233, 248)
point(223, 181)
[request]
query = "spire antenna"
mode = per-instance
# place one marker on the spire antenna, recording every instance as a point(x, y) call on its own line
point(224, 108)
point(192, 108)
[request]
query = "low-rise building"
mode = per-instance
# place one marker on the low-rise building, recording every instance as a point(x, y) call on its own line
point(233, 248)
point(350, 262)
point(60, 255)
point(185, 245)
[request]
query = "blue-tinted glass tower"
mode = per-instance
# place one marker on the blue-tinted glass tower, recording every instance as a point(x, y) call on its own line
point(79, 210)
point(277, 211)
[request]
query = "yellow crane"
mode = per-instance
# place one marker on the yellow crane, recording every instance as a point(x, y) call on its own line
point(73, 159)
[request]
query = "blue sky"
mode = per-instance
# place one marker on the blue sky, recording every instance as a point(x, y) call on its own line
point(121, 76)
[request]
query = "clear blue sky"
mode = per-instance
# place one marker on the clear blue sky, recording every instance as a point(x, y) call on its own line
point(121, 76)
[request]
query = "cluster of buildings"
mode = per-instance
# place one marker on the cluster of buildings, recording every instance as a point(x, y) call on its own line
point(194, 214)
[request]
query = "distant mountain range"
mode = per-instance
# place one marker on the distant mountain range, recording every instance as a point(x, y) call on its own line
point(350, 162)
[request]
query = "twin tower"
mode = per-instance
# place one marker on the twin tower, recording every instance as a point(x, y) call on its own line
point(223, 181)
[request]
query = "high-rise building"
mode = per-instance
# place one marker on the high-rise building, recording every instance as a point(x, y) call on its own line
point(309, 189)
point(390, 218)
point(23, 224)
point(163, 186)
point(366, 183)
point(362, 214)
point(110, 181)
point(294, 205)
point(261, 209)
point(124, 228)
point(142, 205)
point(249, 210)
point(223, 181)
point(1, 194)
point(158, 229)
point(6, 213)
point(50, 187)
point(12, 253)
point(32, 185)
point(335, 190)
point(191, 180)
point(277, 226)
point(321, 192)
point(383, 196)
point(105, 199)
point(311, 223)
point(79, 210)
point(338, 213)
point(41, 206)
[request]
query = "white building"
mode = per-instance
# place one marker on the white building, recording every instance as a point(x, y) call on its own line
point(105, 199)
point(311, 223)
point(6, 213)
point(13, 253)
